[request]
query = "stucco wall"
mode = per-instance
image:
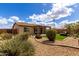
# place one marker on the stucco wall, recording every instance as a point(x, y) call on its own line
point(31, 30)
point(20, 29)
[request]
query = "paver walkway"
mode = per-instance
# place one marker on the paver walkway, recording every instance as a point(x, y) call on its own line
point(50, 50)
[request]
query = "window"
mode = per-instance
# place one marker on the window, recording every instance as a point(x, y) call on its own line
point(26, 29)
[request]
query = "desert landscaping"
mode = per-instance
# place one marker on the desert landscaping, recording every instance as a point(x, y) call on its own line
point(52, 43)
point(67, 47)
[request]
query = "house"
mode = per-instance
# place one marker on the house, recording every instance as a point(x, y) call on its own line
point(20, 27)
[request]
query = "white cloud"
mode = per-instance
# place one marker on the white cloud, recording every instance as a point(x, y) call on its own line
point(3, 21)
point(60, 10)
point(41, 18)
point(64, 22)
point(14, 19)
point(57, 11)
point(68, 22)
point(7, 23)
point(7, 26)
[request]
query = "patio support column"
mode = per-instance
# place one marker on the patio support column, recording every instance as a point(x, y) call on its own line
point(78, 42)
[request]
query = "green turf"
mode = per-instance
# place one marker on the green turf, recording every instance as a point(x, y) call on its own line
point(59, 37)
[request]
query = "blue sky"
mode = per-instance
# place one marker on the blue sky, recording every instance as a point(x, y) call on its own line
point(38, 13)
point(22, 10)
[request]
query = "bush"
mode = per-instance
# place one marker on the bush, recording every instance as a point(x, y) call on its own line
point(23, 36)
point(5, 36)
point(76, 35)
point(17, 47)
point(51, 34)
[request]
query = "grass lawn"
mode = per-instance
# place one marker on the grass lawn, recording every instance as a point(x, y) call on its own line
point(58, 37)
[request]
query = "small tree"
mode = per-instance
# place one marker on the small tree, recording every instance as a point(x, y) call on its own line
point(71, 29)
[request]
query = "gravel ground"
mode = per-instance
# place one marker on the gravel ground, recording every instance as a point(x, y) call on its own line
point(42, 49)
point(48, 50)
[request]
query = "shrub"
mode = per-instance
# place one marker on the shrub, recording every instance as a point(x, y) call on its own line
point(27, 48)
point(76, 35)
point(5, 36)
point(51, 34)
point(23, 36)
point(17, 47)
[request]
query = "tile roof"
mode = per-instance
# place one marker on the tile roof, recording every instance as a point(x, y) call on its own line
point(27, 24)
point(24, 24)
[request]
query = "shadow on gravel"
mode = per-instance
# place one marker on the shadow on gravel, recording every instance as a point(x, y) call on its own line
point(47, 42)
